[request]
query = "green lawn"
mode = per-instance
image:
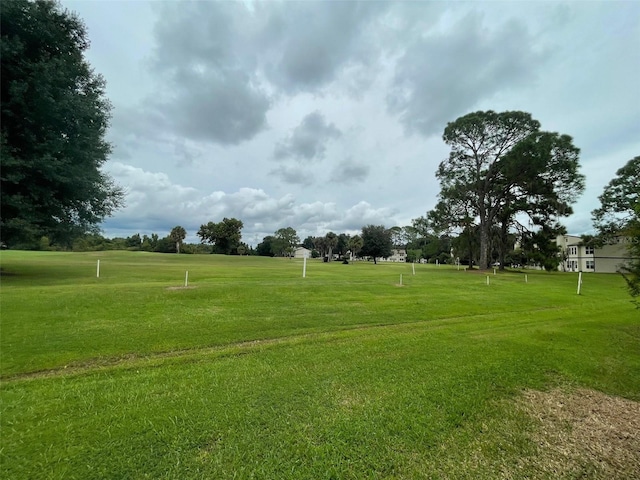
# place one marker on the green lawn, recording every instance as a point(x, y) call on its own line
point(255, 372)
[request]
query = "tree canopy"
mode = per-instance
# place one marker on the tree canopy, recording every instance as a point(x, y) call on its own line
point(285, 242)
point(54, 118)
point(376, 242)
point(502, 165)
point(178, 234)
point(619, 201)
point(619, 214)
point(225, 235)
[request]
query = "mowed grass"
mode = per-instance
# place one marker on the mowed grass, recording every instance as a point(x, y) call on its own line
point(256, 372)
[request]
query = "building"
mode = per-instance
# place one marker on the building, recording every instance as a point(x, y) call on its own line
point(397, 255)
point(577, 257)
point(301, 252)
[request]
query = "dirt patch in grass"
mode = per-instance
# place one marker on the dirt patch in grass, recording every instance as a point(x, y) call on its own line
point(584, 434)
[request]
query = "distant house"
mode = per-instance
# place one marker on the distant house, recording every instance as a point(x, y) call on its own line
point(397, 255)
point(577, 257)
point(302, 252)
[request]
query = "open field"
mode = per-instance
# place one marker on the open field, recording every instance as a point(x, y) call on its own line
point(255, 372)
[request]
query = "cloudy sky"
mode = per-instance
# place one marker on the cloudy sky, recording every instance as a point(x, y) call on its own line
point(329, 115)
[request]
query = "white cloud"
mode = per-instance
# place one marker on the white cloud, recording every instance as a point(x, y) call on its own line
point(155, 205)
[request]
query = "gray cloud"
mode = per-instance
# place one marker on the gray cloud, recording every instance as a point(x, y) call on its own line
point(221, 58)
point(308, 140)
point(213, 91)
point(312, 41)
point(293, 174)
point(350, 172)
point(216, 106)
point(440, 77)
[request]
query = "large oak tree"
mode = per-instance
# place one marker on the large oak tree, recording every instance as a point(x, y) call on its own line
point(54, 120)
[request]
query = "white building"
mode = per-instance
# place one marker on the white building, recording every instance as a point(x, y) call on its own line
point(301, 252)
point(397, 255)
point(577, 257)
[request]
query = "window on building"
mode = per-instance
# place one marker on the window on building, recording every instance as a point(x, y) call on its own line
point(588, 250)
point(591, 264)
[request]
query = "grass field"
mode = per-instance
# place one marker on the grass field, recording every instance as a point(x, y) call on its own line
point(255, 372)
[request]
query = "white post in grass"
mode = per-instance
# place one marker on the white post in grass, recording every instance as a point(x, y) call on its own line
point(437, 262)
point(98, 270)
point(526, 278)
point(304, 267)
point(186, 278)
point(413, 266)
point(400, 279)
point(494, 271)
point(487, 279)
point(579, 282)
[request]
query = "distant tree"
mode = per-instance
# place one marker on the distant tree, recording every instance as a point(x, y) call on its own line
point(409, 235)
point(178, 234)
point(146, 245)
point(355, 245)
point(54, 118)
point(265, 248)
point(321, 245)
point(376, 242)
point(285, 242)
point(397, 237)
point(134, 242)
point(225, 236)
point(331, 240)
point(165, 245)
point(343, 245)
point(308, 243)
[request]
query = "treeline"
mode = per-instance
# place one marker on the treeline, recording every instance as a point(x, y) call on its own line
point(144, 243)
point(418, 241)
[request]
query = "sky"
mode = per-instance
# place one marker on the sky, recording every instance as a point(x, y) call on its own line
point(328, 116)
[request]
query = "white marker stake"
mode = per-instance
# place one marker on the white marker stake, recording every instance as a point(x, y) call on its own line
point(413, 265)
point(579, 282)
point(487, 279)
point(400, 279)
point(98, 270)
point(186, 279)
point(526, 279)
point(437, 262)
point(304, 267)
point(494, 271)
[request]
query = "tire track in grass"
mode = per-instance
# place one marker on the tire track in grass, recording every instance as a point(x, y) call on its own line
point(137, 360)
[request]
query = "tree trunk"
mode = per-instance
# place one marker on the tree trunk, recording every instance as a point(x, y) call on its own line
point(484, 244)
point(504, 238)
point(470, 246)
